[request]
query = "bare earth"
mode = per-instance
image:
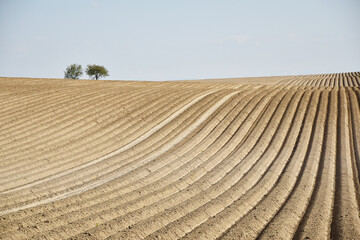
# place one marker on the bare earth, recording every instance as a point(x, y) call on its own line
point(246, 158)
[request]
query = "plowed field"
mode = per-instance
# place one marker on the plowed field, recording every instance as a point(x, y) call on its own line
point(247, 158)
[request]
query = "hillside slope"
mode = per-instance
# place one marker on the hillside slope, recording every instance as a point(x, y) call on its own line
point(267, 158)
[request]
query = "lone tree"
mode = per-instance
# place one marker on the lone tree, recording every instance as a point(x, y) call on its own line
point(74, 71)
point(96, 71)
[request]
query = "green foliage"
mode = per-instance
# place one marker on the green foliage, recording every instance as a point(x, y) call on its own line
point(74, 71)
point(96, 71)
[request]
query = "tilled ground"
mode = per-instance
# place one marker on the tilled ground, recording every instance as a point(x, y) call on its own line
point(267, 158)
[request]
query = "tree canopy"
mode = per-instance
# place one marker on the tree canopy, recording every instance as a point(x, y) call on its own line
point(74, 71)
point(96, 71)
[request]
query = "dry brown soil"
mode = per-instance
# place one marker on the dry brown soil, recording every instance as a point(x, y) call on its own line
point(246, 158)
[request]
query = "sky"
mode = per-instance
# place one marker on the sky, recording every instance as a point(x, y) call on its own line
point(179, 40)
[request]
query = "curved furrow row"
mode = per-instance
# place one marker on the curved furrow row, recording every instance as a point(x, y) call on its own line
point(97, 161)
point(186, 179)
point(14, 122)
point(77, 171)
point(293, 209)
point(316, 221)
point(85, 141)
point(255, 217)
point(265, 163)
point(62, 101)
point(346, 217)
point(54, 99)
point(174, 162)
point(131, 164)
point(128, 97)
point(215, 226)
point(109, 121)
point(41, 129)
point(66, 108)
point(356, 78)
point(326, 80)
point(355, 121)
point(198, 187)
point(100, 119)
point(46, 129)
point(87, 201)
point(153, 167)
point(11, 105)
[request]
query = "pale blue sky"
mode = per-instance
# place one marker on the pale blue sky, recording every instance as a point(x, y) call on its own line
point(184, 39)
